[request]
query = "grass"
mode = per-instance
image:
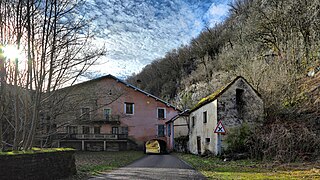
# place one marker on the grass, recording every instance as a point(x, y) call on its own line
point(214, 168)
point(93, 163)
point(35, 150)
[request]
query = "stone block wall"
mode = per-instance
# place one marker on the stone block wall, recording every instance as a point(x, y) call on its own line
point(252, 106)
point(54, 165)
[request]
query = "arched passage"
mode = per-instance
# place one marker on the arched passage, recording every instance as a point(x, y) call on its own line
point(155, 146)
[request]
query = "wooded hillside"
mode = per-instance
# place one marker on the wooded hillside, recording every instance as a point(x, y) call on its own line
point(274, 44)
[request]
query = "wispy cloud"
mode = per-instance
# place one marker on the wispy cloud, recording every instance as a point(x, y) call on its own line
point(137, 32)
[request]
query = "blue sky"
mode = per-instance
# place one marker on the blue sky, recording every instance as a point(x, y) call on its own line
point(136, 32)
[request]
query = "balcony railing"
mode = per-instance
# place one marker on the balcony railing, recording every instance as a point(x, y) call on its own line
point(112, 119)
point(66, 136)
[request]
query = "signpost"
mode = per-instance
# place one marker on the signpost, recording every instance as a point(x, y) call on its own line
point(219, 130)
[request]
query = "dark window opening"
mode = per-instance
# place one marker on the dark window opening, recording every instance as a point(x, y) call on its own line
point(85, 130)
point(123, 130)
point(85, 113)
point(169, 129)
point(193, 121)
point(207, 140)
point(239, 96)
point(160, 130)
point(129, 108)
point(240, 102)
point(161, 113)
point(96, 130)
point(205, 118)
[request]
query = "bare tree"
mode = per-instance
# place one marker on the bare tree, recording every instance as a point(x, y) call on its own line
point(56, 48)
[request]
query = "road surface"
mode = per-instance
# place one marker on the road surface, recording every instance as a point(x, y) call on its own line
point(154, 167)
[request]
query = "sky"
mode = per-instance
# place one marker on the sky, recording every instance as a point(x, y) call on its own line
point(136, 32)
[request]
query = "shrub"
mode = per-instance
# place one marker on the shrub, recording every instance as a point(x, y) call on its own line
point(181, 143)
point(285, 142)
point(237, 139)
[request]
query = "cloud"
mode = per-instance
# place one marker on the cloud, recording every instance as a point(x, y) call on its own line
point(138, 32)
point(216, 13)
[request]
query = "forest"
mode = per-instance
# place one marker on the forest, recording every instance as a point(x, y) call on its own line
point(275, 45)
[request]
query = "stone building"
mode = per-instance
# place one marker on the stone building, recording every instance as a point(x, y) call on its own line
point(108, 114)
point(234, 104)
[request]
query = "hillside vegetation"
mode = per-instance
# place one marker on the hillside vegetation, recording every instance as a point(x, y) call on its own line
point(275, 45)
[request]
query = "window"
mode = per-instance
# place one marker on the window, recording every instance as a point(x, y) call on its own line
point(193, 121)
point(161, 113)
point(129, 108)
point(123, 130)
point(239, 96)
point(161, 130)
point(107, 113)
point(207, 140)
point(205, 118)
point(85, 113)
point(85, 130)
point(115, 130)
point(96, 130)
point(72, 129)
point(169, 129)
point(239, 102)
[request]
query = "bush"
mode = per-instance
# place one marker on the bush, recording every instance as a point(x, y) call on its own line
point(237, 139)
point(285, 142)
point(181, 144)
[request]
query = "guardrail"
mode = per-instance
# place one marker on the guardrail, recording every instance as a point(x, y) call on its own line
point(90, 136)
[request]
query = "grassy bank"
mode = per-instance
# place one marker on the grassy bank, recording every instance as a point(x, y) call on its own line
point(214, 168)
point(92, 163)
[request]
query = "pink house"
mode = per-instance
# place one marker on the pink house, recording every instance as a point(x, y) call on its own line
point(109, 114)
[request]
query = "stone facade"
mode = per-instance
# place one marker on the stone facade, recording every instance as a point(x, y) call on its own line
point(248, 107)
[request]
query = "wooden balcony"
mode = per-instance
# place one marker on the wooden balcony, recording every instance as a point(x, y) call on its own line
point(65, 136)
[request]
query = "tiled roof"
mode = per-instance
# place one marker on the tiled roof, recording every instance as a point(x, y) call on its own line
point(131, 86)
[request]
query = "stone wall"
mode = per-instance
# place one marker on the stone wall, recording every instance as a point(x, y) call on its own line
point(252, 106)
point(53, 165)
point(251, 110)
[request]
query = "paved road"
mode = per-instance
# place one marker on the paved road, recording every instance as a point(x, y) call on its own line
point(154, 167)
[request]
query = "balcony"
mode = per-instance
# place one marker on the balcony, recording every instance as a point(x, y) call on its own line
point(111, 119)
point(65, 136)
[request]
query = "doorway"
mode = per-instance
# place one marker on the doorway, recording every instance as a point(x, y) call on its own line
point(199, 144)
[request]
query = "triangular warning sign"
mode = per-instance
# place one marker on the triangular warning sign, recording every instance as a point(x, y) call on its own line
point(220, 128)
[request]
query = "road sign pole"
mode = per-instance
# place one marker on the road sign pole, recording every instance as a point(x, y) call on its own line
point(219, 144)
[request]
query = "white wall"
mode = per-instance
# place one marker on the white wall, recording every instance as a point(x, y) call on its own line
point(204, 130)
point(181, 126)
